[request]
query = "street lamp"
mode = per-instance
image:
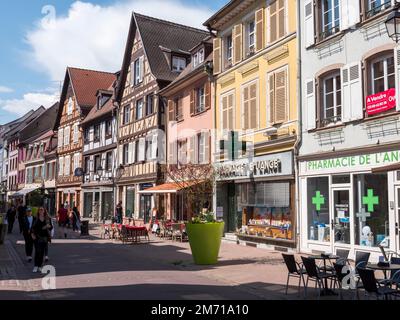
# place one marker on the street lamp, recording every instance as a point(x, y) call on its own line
point(99, 171)
point(393, 23)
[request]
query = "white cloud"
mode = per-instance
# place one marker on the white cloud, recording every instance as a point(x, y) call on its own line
point(4, 89)
point(28, 102)
point(94, 36)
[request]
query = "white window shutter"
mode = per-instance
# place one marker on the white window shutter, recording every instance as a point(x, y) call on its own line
point(121, 154)
point(352, 97)
point(310, 104)
point(61, 166)
point(141, 66)
point(397, 68)
point(309, 23)
point(349, 13)
point(60, 137)
point(130, 153)
point(132, 73)
point(154, 147)
point(142, 149)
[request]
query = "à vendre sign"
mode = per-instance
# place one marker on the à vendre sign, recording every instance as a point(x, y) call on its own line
point(381, 102)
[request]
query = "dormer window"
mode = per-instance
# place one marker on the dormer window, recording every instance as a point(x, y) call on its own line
point(102, 100)
point(198, 58)
point(178, 64)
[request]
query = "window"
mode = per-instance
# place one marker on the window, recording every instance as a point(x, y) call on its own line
point(109, 161)
point(382, 74)
point(201, 143)
point(278, 96)
point(87, 135)
point(318, 209)
point(70, 106)
point(376, 6)
point(182, 152)
point(371, 212)
point(139, 109)
point(108, 128)
point(228, 50)
point(331, 99)
point(77, 160)
point(178, 64)
point(130, 203)
point(126, 154)
point(96, 133)
point(330, 18)
point(127, 115)
point(227, 111)
point(178, 109)
point(200, 100)
point(138, 71)
point(149, 148)
point(249, 106)
point(87, 165)
point(277, 20)
point(97, 163)
point(149, 104)
point(67, 134)
point(250, 35)
point(198, 58)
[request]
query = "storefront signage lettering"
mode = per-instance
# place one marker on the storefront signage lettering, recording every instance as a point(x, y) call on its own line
point(381, 102)
point(270, 165)
point(376, 159)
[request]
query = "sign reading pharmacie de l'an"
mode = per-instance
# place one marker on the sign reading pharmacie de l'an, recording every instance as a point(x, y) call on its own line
point(351, 163)
point(279, 164)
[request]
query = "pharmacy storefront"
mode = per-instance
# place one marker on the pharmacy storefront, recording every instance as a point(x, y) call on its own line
point(350, 202)
point(256, 199)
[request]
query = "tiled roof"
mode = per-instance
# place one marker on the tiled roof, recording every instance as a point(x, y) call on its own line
point(86, 83)
point(96, 113)
point(156, 33)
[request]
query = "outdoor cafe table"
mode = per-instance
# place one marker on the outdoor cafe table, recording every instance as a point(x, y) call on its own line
point(385, 269)
point(326, 291)
point(134, 231)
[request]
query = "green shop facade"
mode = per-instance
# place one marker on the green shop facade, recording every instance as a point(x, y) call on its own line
point(350, 199)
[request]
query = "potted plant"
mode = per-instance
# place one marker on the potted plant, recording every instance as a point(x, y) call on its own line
point(195, 183)
point(205, 235)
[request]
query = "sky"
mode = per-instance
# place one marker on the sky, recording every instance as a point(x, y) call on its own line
point(40, 38)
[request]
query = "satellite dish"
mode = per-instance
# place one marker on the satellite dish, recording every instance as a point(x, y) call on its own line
point(79, 172)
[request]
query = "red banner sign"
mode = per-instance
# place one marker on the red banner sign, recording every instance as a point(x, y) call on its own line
point(381, 102)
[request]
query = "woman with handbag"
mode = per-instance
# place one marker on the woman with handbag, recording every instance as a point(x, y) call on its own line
point(41, 237)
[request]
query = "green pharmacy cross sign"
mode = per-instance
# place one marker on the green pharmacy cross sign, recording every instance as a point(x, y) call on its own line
point(370, 200)
point(318, 200)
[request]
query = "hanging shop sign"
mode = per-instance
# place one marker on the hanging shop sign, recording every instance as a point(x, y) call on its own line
point(278, 164)
point(381, 102)
point(362, 161)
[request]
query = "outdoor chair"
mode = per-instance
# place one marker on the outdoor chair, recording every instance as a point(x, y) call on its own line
point(394, 279)
point(388, 254)
point(124, 234)
point(361, 261)
point(372, 286)
point(295, 270)
point(177, 232)
point(343, 255)
point(340, 275)
point(313, 274)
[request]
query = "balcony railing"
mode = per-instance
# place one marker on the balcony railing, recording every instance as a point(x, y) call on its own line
point(377, 9)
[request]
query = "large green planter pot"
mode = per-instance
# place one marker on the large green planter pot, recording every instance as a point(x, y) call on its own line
point(205, 241)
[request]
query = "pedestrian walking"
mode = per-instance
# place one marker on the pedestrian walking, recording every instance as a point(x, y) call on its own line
point(27, 224)
point(50, 236)
point(21, 213)
point(76, 219)
point(41, 236)
point(118, 212)
point(62, 218)
point(11, 215)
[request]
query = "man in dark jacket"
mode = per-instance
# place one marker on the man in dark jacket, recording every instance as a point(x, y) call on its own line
point(11, 214)
point(21, 212)
point(27, 224)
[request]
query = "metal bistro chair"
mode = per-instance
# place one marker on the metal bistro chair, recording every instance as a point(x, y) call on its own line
point(295, 270)
point(314, 274)
point(394, 279)
point(177, 232)
point(340, 276)
point(372, 286)
point(343, 255)
point(361, 261)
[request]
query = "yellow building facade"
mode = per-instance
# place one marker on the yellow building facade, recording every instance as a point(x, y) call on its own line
point(256, 117)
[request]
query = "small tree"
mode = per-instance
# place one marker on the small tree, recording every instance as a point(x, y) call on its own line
point(196, 183)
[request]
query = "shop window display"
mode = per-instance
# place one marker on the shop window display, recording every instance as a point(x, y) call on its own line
point(318, 209)
point(265, 209)
point(371, 210)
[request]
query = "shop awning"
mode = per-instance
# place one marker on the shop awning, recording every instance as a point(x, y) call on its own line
point(23, 192)
point(383, 169)
point(167, 188)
